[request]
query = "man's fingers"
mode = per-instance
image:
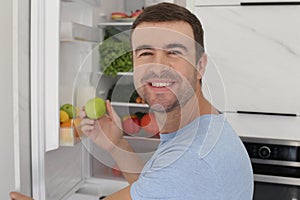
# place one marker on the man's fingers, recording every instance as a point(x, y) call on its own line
point(109, 109)
point(87, 126)
point(18, 196)
point(82, 113)
point(87, 121)
point(112, 113)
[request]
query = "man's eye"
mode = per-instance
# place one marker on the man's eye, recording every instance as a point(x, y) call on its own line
point(174, 52)
point(145, 53)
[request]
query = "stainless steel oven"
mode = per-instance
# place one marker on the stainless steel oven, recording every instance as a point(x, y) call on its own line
point(276, 167)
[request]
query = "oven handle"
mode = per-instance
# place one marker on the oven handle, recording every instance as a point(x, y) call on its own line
point(276, 179)
point(275, 162)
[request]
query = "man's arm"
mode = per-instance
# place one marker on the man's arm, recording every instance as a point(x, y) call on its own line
point(127, 161)
point(123, 194)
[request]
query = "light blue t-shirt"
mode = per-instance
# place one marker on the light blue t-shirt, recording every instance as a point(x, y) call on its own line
point(204, 160)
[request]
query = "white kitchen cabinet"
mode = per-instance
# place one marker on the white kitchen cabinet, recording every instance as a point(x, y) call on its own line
point(255, 55)
point(238, 2)
point(264, 126)
point(215, 2)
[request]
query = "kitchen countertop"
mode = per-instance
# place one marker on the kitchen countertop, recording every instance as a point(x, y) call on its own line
point(265, 126)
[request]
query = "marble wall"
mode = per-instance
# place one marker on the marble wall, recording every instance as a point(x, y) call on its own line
point(254, 65)
point(256, 51)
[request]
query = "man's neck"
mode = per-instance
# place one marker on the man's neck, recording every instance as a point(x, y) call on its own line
point(181, 116)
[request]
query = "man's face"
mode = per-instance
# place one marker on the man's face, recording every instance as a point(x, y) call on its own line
point(164, 64)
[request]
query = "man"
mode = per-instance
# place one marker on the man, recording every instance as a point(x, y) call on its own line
point(200, 156)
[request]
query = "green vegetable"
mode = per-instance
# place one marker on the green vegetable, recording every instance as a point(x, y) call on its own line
point(115, 53)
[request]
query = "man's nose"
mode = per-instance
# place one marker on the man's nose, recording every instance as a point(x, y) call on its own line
point(161, 64)
point(161, 58)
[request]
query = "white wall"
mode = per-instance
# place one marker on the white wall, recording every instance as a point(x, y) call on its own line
point(14, 98)
point(6, 101)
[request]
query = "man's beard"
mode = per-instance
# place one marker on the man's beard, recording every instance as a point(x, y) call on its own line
point(174, 99)
point(160, 103)
point(168, 103)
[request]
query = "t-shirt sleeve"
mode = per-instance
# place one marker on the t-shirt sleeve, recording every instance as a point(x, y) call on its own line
point(154, 182)
point(148, 187)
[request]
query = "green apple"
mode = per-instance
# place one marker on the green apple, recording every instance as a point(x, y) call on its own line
point(95, 108)
point(70, 109)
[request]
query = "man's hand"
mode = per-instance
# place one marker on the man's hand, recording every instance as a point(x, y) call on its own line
point(105, 132)
point(18, 196)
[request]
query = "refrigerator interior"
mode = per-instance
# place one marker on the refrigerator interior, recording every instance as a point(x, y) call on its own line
point(76, 170)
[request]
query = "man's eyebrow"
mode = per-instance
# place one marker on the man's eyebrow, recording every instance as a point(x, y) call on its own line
point(168, 46)
point(176, 45)
point(143, 47)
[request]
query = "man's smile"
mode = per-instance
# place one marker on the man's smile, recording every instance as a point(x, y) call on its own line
point(160, 85)
point(156, 84)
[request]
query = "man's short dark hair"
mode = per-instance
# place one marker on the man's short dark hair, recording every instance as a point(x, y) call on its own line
point(164, 12)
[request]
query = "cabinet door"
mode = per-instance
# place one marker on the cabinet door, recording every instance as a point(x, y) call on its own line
point(244, 2)
point(256, 51)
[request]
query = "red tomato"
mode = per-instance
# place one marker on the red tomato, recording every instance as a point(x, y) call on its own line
point(149, 124)
point(131, 124)
point(115, 171)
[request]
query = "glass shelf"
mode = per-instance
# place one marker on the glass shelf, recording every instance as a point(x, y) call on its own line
point(118, 74)
point(125, 74)
point(139, 138)
point(124, 104)
point(115, 23)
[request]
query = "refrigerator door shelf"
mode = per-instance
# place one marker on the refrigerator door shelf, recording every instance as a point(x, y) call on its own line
point(83, 197)
point(68, 137)
point(74, 32)
point(94, 3)
point(94, 188)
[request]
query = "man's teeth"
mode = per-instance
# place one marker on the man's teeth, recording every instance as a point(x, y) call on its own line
point(160, 84)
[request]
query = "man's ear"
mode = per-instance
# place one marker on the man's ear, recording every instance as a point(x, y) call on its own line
point(201, 66)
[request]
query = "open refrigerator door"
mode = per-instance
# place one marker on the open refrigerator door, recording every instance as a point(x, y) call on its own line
point(69, 43)
point(62, 36)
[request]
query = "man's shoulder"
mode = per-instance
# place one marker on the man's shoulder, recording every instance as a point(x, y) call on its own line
point(213, 130)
